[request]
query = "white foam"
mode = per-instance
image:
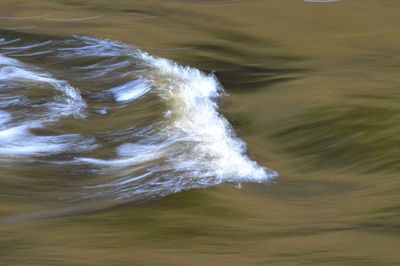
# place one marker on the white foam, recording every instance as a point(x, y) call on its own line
point(217, 151)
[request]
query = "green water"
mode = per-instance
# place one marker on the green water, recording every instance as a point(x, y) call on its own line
point(313, 91)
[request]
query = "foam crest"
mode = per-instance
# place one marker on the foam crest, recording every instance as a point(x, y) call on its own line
point(201, 142)
point(216, 150)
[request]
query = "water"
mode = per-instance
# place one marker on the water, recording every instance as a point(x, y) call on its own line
point(199, 132)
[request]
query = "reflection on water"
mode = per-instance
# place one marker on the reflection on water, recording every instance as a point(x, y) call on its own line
point(104, 148)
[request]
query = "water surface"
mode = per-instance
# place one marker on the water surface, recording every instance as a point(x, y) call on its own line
point(199, 132)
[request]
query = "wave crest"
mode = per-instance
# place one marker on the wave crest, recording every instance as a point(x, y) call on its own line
point(184, 144)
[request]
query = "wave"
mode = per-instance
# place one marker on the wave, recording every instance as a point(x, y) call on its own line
point(167, 136)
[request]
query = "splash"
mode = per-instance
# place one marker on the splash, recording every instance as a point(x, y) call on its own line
point(189, 145)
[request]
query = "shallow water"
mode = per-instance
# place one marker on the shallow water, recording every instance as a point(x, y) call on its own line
point(277, 145)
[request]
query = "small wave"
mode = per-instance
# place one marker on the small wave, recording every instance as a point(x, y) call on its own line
point(185, 143)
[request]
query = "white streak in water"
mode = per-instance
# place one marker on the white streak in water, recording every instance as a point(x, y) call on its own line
point(16, 137)
point(28, 46)
point(131, 91)
point(75, 19)
point(131, 154)
point(18, 141)
point(17, 18)
point(33, 54)
point(3, 42)
point(13, 70)
point(21, 28)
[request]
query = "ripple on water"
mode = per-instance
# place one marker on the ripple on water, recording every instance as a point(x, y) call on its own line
point(356, 134)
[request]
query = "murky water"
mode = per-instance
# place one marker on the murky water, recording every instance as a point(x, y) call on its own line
point(279, 144)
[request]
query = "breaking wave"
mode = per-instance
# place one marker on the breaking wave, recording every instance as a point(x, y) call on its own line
point(143, 126)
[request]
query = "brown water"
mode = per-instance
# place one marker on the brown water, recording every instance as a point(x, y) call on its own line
point(313, 91)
